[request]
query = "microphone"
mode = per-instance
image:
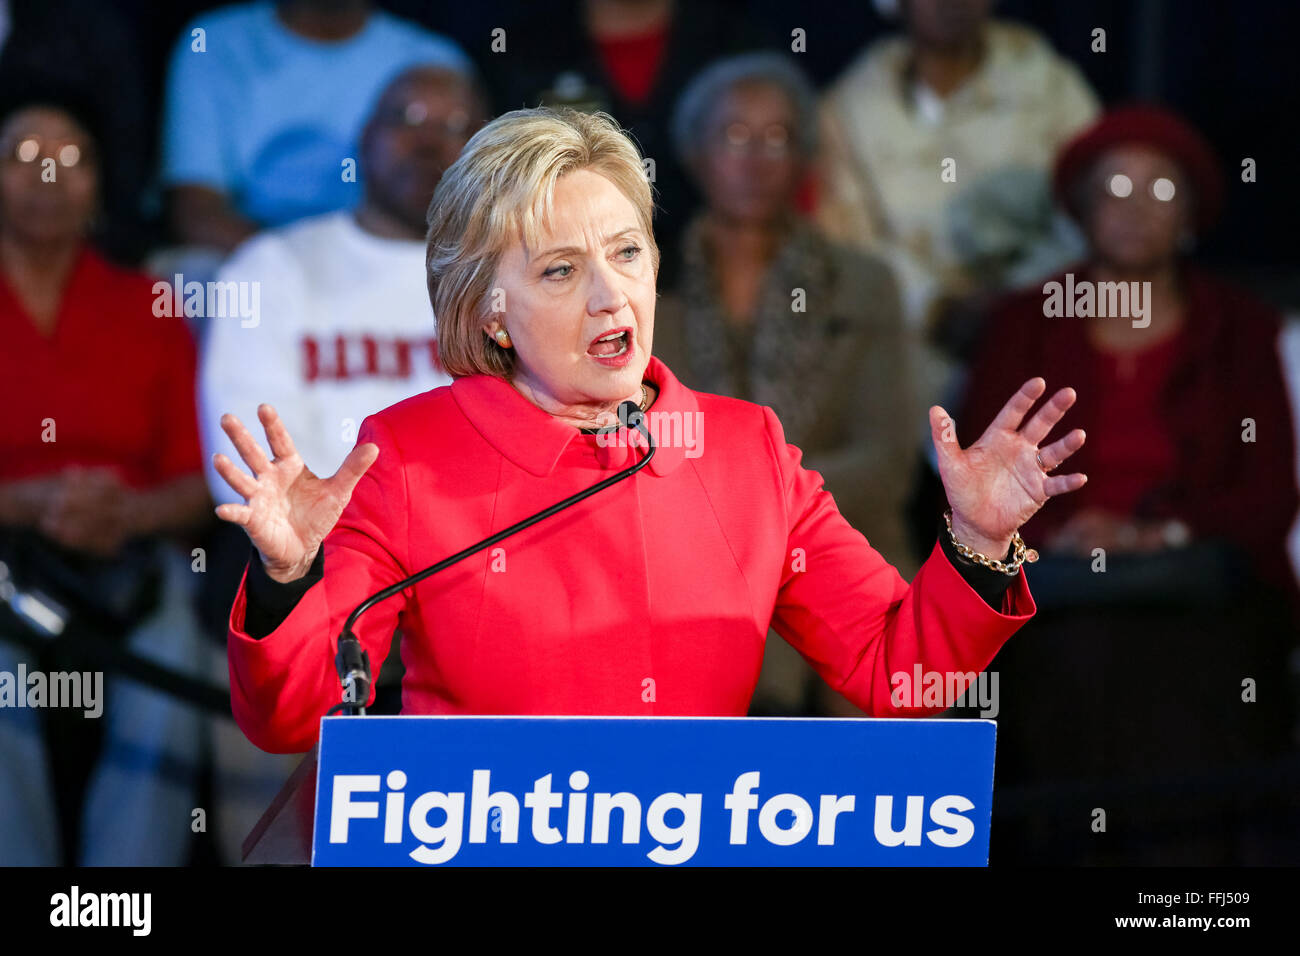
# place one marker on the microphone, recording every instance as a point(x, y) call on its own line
point(353, 662)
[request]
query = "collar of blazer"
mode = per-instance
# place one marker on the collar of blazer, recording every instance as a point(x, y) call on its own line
point(534, 441)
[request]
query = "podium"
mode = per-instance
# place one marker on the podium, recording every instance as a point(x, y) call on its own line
point(635, 791)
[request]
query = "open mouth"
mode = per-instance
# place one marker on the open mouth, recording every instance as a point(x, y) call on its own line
point(611, 344)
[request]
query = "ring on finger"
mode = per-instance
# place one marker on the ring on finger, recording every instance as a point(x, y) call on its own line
point(1042, 464)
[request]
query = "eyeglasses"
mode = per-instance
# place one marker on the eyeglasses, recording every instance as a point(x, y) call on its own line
point(1119, 186)
point(416, 116)
point(30, 149)
point(774, 142)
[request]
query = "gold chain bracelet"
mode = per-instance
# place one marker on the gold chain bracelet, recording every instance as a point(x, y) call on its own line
point(1020, 554)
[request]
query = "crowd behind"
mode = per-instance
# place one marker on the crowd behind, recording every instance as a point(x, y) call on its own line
point(847, 252)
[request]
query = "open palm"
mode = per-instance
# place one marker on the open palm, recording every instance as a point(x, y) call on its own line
point(288, 511)
point(998, 483)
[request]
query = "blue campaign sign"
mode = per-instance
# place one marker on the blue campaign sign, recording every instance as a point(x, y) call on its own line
point(663, 791)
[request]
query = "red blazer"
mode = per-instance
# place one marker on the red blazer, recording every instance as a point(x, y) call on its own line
point(652, 597)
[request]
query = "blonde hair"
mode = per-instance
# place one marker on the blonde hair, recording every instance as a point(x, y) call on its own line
point(501, 186)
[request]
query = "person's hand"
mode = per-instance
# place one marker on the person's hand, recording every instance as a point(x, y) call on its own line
point(288, 511)
point(90, 510)
point(1095, 528)
point(1000, 482)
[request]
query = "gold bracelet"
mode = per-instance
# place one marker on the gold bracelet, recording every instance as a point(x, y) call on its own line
point(1020, 554)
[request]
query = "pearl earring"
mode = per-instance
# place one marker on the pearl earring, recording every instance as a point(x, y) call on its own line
point(503, 338)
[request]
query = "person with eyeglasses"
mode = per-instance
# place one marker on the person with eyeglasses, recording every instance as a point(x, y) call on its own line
point(768, 309)
point(101, 497)
point(345, 326)
point(1167, 597)
point(1174, 379)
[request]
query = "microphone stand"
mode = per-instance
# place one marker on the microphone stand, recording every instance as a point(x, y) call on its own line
point(353, 662)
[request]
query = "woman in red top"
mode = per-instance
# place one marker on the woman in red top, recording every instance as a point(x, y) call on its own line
point(1164, 621)
point(99, 463)
point(99, 440)
point(653, 597)
point(1198, 439)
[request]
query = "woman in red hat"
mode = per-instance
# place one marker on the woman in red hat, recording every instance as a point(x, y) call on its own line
point(1198, 439)
point(1144, 572)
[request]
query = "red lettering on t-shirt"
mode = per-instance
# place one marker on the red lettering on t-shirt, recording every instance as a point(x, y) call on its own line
point(341, 358)
point(310, 359)
point(402, 348)
point(372, 356)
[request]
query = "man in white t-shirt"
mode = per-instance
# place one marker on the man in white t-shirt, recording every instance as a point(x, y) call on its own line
point(342, 326)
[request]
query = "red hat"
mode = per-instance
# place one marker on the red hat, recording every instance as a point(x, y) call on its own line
point(1148, 126)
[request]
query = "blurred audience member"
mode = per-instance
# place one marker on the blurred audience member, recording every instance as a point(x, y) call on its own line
point(629, 58)
point(768, 310)
point(344, 330)
point(93, 47)
point(937, 147)
point(345, 327)
point(99, 463)
point(265, 102)
point(1164, 585)
point(1175, 380)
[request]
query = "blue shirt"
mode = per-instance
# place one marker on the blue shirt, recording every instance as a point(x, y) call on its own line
point(270, 117)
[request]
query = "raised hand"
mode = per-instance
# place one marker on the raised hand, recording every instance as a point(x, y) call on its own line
point(1000, 482)
point(288, 511)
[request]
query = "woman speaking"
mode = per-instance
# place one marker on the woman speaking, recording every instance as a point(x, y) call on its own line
point(653, 596)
